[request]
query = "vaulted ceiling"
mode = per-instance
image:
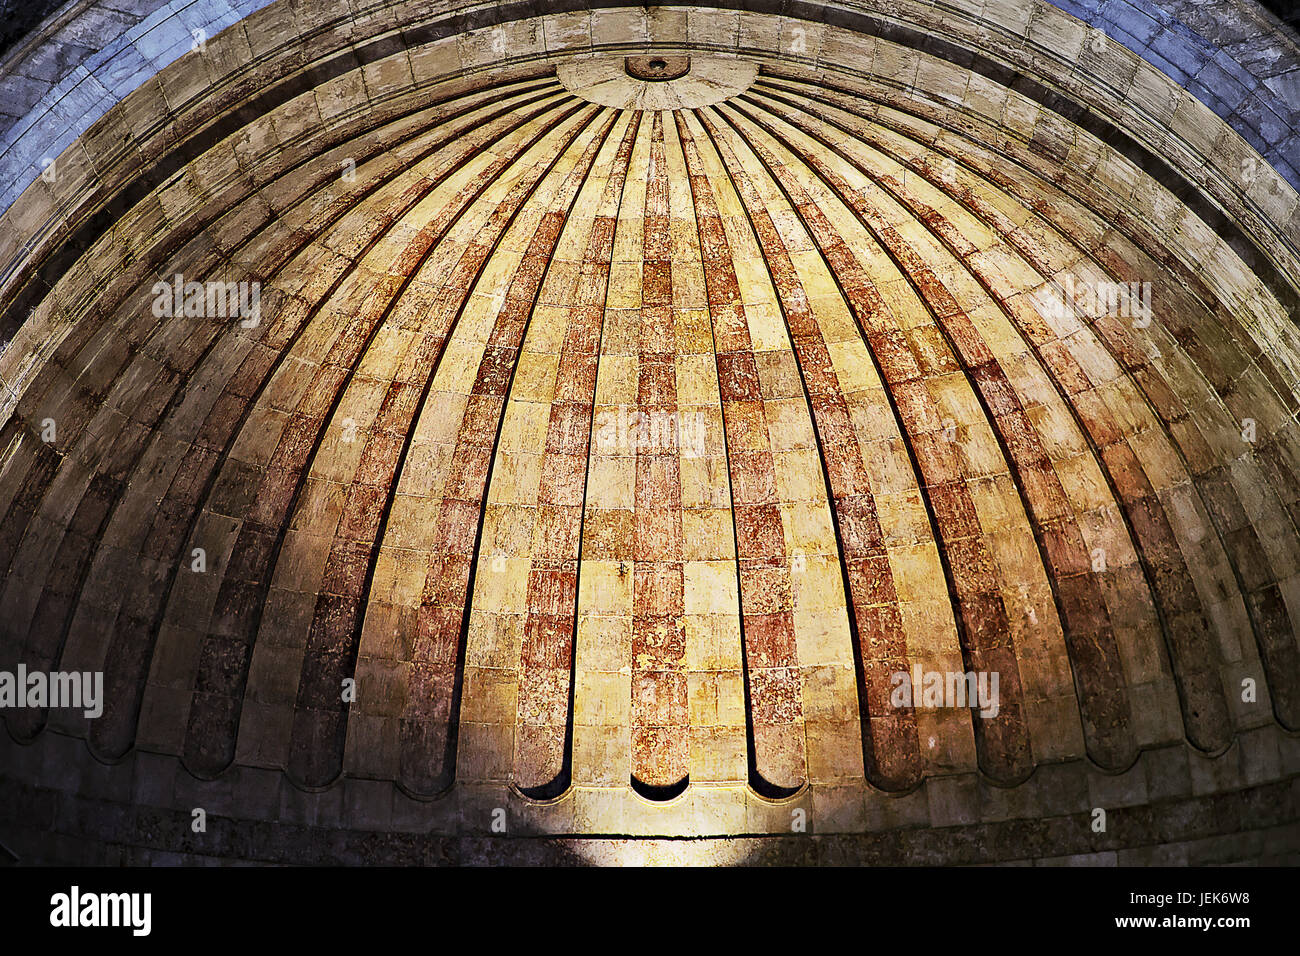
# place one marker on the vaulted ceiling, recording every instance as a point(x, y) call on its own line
point(621, 401)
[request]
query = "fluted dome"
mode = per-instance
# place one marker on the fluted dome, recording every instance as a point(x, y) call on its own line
point(651, 438)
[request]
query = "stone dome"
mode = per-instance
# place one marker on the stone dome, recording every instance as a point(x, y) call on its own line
point(655, 424)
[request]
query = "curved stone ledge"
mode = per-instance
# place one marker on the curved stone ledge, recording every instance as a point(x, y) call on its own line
point(1177, 809)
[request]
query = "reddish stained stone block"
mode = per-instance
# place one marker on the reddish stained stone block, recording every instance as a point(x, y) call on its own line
point(954, 512)
point(169, 529)
point(658, 535)
point(528, 274)
point(794, 300)
point(880, 632)
point(346, 350)
point(834, 425)
point(1121, 345)
point(658, 482)
point(995, 388)
point(759, 531)
point(985, 621)
point(237, 603)
point(861, 295)
point(656, 193)
point(871, 581)
point(575, 381)
point(1174, 585)
point(297, 439)
point(1004, 743)
point(569, 428)
point(220, 664)
point(894, 354)
point(1066, 552)
point(321, 676)
point(860, 534)
point(820, 227)
point(1083, 613)
point(563, 479)
point(601, 244)
point(936, 456)
point(494, 372)
point(658, 642)
point(1168, 405)
point(753, 478)
point(274, 495)
point(713, 239)
point(582, 334)
point(345, 570)
point(894, 750)
point(549, 229)
point(815, 363)
point(799, 316)
point(437, 635)
point(447, 580)
point(508, 329)
point(193, 474)
point(656, 240)
point(838, 257)
point(938, 298)
point(948, 231)
point(362, 513)
point(738, 377)
point(779, 265)
point(915, 405)
point(548, 640)
point(774, 695)
point(1097, 419)
point(1064, 368)
point(247, 380)
point(334, 624)
point(660, 755)
point(457, 525)
point(764, 587)
point(398, 408)
point(1043, 494)
point(659, 699)
point(429, 688)
point(442, 313)
point(972, 566)
point(412, 254)
point(770, 641)
point(379, 461)
point(658, 589)
point(1021, 439)
point(543, 697)
point(656, 382)
point(482, 415)
point(552, 591)
point(722, 287)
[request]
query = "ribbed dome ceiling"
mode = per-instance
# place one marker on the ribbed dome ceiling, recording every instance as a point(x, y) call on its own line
point(646, 443)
